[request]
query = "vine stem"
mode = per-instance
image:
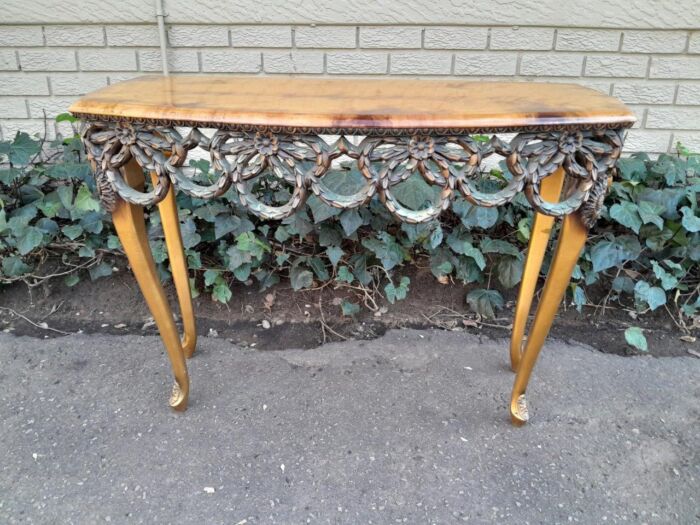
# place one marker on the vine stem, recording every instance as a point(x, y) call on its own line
point(42, 326)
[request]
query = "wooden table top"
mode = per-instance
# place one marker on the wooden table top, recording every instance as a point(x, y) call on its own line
point(351, 103)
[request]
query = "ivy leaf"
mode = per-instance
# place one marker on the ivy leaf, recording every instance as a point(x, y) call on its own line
point(92, 222)
point(350, 220)
point(10, 175)
point(414, 192)
point(210, 276)
point(464, 247)
point(266, 279)
point(524, 229)
point(190, 237)
point(359, 268)
point(345, 275)
point(627, 215)
point(510, 270)
point(221, 292)
point(489, 245)
point(209, 211)
point(668, 281)
point(248, 242)
point(32, 238)
point(320, 210)
point(387, 250)
point(656, 240)
point(14, 266)
point(441, 263)
point(671, 168)
point(344, 181)
point(50, 205)
point(609, 253)
point(65, 195)
point(633, 167)
point(160, 254)
point(349, 308)
point(485, 302)
point(436, 237)
point(300, 277)
point(224, 224)
point(242, 273)
point(669, 198)
point(299, 224)
point(466, 270)
point(23, 148)
point(48, 226)
point(650, 213)
point(397, 293)
point(579, 297)
point(635, 338)
point(113, 243)
point(4, 225)
point(622, 283)
point(319, 268)
point(86, 251)
point(653, 296)
point(68, 171)
point(71, 280)
point(84, 201)
point(334, 253)
point(441, 268)
point(476, 216)
point(329, 234)
point(690, 221)
point(100, 270)
point(65, 117)
point(282, 234)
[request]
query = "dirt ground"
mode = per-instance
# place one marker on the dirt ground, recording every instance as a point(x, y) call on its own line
point(279, 317)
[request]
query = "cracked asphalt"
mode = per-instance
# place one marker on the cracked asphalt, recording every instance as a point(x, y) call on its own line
point(408, 428)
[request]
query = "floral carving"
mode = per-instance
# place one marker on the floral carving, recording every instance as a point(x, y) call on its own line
point(266, 143)
point(421, 147)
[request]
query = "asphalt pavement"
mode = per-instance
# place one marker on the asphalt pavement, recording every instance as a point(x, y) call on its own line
point(412, 427)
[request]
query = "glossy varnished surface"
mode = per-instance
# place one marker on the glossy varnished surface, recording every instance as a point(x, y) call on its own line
point(353, 103)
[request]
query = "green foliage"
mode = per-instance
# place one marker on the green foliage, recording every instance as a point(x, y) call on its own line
point(635, 337)
point(47, 208)
point(349, 308)
point(397, 293)
point(648, 238)
point(485, 302)
point(645, 249)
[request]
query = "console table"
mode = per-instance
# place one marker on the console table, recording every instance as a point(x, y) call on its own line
point(566, 141)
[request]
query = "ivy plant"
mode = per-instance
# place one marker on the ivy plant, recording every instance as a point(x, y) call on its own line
point(644, 251)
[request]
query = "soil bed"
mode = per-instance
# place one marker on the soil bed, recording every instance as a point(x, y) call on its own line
point(306, 319)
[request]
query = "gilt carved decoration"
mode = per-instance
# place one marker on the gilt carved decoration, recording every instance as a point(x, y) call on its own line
point(452, 162)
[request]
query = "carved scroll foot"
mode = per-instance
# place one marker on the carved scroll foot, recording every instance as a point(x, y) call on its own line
point(179, 397)
point(518, 411)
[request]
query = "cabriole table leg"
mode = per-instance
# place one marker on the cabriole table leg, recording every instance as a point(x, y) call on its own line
point(178, 265)
point(131, 228)
point(539, 238)
point(571, 241)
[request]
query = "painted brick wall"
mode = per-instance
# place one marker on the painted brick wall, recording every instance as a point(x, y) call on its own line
point(656, 70)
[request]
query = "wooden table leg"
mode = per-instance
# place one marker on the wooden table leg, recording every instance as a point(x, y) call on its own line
point(571, 241)
point(542, 225)
point(178, 265)
point(131, 228)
